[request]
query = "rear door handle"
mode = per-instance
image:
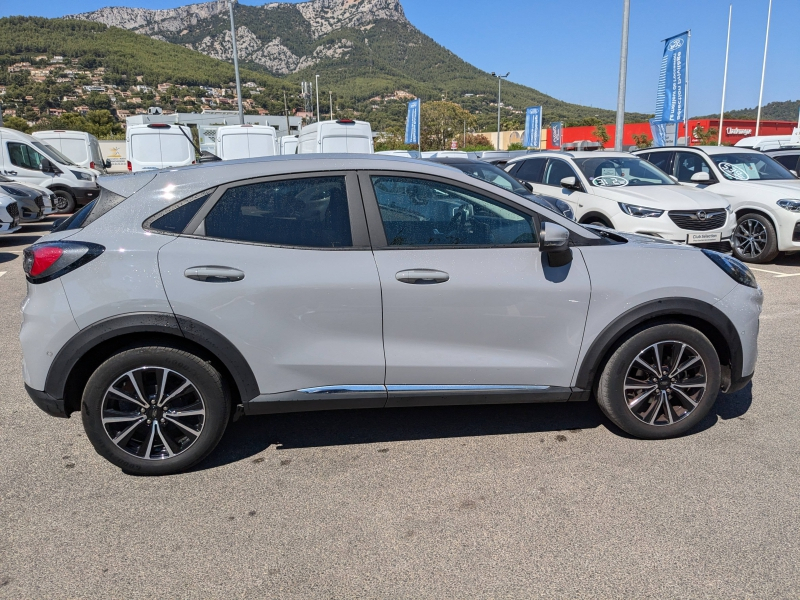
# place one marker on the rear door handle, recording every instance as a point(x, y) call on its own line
point(213, 274)
point(422, 276)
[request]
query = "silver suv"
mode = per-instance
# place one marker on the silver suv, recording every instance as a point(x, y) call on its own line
point(182, 298)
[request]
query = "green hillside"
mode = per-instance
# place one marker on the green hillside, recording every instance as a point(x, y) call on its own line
point(774, 111)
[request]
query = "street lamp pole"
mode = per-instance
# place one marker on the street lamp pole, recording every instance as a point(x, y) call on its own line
point(316, 83)
point(623, 73)
point(499, 83)
point(236, 66)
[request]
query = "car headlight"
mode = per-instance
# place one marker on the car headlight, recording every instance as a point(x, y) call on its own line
point(13, 192)
point(735, 268)
point(640, 211)
point(82, 176)
point(565, 209)
point(790, 205)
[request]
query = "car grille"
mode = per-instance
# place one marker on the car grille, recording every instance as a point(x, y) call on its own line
point(699, 220)
point(39, 202)
point(12, 210)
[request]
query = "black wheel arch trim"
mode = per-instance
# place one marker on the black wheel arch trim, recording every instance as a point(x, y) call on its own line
point(90, 337)
point(686, 309)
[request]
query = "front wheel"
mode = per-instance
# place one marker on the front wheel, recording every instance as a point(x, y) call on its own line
point(660, 382)
point(155, 410)
point(65, 202)
point(754, 239)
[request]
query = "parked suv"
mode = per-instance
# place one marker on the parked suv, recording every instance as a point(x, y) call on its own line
point(764, 195)
point(34, 201)
point(183, 297)
point(9, 214)
point(620, 191)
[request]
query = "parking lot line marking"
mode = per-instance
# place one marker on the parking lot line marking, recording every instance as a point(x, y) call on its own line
point(787, 275)
point(766, 271)
point(3, 273)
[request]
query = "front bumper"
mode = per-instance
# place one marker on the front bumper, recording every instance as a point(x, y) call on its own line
point(84, 195)
point(52, 406)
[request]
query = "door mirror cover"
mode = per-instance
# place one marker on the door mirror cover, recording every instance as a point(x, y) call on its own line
point(107, 163)
point(701, 177)
point(793, 172)
point(571, 183)
point(46, 166)
point(528, 185)
point(553, 237)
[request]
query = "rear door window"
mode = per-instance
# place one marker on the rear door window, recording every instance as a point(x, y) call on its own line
point(531, 170)
point(74, 149)
point(234, 145)
point(174, 149)
point(260, 144)
point(145, 148)
point(662, 160)
point(334, 144)
point(788, 160)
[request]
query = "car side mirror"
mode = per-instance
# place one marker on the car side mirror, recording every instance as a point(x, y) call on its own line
point(675, 179)
point(46, 166)
point(528, 185)
point(107, 163)
point(701, 177)
point(554, 241)
point(793, 172)
point(570, 183)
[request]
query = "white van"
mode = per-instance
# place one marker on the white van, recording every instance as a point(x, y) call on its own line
point(766, 142)
point(246, 141)
point(158, 146)
point(344, 136)
point(80, 147)
point(401, 153)
point(26, 159)
point(288, 144)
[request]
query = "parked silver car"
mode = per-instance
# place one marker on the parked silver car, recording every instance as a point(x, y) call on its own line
point(181, 298)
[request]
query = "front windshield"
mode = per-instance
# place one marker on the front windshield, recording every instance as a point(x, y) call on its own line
point(54, 154)
point(618, 171)
point(746, 166)
point(494, 175)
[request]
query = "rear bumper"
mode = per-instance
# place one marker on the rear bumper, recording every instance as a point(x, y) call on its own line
point(52, 406)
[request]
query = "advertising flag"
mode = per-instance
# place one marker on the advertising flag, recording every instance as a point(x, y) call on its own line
point(533, 127)
point(659, 131)
point(671, 95)
point(555, 133)
point(412, 122)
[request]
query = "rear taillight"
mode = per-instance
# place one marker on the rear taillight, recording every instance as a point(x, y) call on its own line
point(91, 165)
point(50, 260)
point(130, 167)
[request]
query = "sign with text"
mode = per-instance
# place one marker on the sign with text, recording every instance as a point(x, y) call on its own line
point(555, 133)
point(671, 95)
point(412, 122)
point(533, 127)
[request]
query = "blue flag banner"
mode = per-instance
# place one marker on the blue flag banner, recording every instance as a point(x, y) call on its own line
point(412, 122)
point(659, 131)
point(533, 127)
point(555, 133)
point(671, 95)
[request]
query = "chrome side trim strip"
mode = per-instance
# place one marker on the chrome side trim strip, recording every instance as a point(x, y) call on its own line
point(467, 388)
point(343, 389)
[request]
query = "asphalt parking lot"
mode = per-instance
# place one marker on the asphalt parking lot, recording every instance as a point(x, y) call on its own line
point(516, 501)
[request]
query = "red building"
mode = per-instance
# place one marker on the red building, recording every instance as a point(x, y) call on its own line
point(733, 131)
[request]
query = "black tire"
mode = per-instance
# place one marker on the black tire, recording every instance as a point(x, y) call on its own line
point(754, 240)
point(678, 415)
point(170, 449)
point(596, 221)
point(65, 202)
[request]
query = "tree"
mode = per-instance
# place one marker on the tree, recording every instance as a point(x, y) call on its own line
point(516, 146)
point(476, 142)
point(641, 141)
point(707, 138)
point(441, 122)
point(601, 135)
point(16, 123)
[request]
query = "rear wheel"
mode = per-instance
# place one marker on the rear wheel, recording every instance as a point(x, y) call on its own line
point(596, 221)
point(754, 239)
point(660, 382)
point(155, 410)
point(65, 202)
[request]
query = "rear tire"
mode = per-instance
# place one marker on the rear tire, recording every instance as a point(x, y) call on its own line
point(65, 202)
point(655, 407)
point(754, 240)
point(155, 410)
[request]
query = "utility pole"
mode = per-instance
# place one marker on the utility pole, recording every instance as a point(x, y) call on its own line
point(725, 77)
point(688, 134)
point(499, 83)
point(316, 84)
point(763, 70)
point(286, 112)
point(330, 94)
point(236, 65)
point(623, 73)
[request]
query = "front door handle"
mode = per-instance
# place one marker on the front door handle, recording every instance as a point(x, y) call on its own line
point(213, 274)
point(421, 276)
point(11, 172)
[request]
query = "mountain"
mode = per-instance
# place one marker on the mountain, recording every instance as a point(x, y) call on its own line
point(774, 111)
point(363, 51)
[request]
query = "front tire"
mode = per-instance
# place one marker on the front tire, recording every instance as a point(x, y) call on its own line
point(65, 202)
point(155, 410)
point(754, 240)
point(660, 382)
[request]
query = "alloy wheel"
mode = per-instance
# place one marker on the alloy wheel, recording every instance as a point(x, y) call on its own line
point(665, 383)
point(750, 238)
point(153, 413)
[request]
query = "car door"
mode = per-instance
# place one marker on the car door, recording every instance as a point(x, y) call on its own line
point(24, 164)
point(557, 169)
point(470, 305)
point(686, 164)
point(282, 268)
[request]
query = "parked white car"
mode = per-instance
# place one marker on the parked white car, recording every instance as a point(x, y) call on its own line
point(80, 147)
point(28, 160)
point(764, 195)
point(9, 214)
point(246, 141)
point(343, 136)
point(158, 146)
point(620, 191)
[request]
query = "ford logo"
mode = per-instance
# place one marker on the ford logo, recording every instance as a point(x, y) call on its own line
point(675, 44)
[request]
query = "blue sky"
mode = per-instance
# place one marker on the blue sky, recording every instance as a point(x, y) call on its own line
point(569, 49)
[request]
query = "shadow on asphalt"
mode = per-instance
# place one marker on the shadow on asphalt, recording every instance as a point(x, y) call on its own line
point(7, 257)
point(252, 435)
